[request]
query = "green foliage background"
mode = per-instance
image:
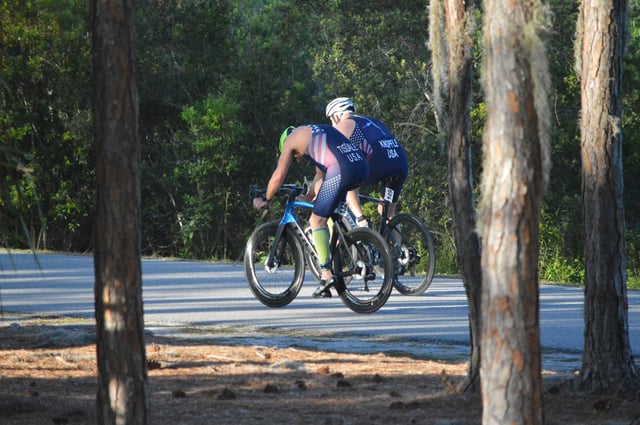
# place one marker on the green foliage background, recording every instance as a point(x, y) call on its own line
point(220, 79)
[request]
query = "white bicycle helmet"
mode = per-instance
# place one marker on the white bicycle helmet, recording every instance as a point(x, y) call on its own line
point(340, 104)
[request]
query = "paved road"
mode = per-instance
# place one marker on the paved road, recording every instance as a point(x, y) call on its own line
point(203, 294)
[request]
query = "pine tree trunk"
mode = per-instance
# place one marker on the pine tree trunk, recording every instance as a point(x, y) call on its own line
point(122, 375)
point(515, 152)
point(607, 363)
point(459, 42)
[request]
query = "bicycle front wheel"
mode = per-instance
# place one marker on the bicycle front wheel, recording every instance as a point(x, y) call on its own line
point(278, 284)
point(414, 254)
point(367, 269)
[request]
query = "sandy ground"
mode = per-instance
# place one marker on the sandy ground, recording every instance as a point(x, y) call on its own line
point(48, 376)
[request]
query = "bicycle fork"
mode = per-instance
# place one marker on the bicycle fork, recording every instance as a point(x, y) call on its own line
point(276, 251)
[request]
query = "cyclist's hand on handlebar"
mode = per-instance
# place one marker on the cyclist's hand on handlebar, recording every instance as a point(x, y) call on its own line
point(259, 203)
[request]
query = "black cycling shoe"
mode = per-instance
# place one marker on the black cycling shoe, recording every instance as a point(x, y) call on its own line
point(323, 290)
point(322, 293)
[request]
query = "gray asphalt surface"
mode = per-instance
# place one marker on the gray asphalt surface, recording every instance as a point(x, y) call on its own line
point(209, 297)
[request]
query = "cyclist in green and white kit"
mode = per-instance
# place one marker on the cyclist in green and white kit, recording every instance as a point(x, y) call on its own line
point(340, 167)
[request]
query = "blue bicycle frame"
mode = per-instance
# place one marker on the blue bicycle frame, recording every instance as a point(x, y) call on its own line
point(290, 217)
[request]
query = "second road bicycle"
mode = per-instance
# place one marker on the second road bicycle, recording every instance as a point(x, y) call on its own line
point(411, 245)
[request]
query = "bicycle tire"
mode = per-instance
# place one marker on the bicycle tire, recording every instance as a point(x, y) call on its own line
point(414, 254)
point(275, 288)
point(365, 251)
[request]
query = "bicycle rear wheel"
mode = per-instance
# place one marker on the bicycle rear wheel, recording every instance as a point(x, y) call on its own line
point(414, 254)
point(358, 262)
point(278, 285)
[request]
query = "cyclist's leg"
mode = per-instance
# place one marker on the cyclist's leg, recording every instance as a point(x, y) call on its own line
point(395, 183)
point(321, 242)
point(389, 194)
point(325, 203)
point(339, 179)
point(353, 201)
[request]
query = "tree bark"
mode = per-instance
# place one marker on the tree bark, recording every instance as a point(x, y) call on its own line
point(122, 375)
point(458, 14)
point(607, 364)
point(514, 172)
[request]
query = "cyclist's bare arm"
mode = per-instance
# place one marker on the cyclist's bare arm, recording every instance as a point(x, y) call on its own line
point(294, 148)
point(314, 187)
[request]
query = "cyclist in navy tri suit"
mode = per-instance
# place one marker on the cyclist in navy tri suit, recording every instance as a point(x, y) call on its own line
point(386, 157)
point(340, 167)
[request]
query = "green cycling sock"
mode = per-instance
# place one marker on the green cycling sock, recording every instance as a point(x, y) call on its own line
point(321, 242)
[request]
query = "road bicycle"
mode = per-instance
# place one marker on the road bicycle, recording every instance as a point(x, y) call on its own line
point(278, 251)
point(410, 242)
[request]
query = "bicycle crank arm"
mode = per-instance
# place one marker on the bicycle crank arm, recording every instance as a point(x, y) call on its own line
point(339, 284)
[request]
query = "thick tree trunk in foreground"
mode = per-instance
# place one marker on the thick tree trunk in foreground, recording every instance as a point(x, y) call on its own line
point(122, 374)
point(607, 364)
point(515, 166)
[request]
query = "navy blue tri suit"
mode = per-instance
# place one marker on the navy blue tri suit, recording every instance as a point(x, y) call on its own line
point(343, 164)
point(386, 157)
